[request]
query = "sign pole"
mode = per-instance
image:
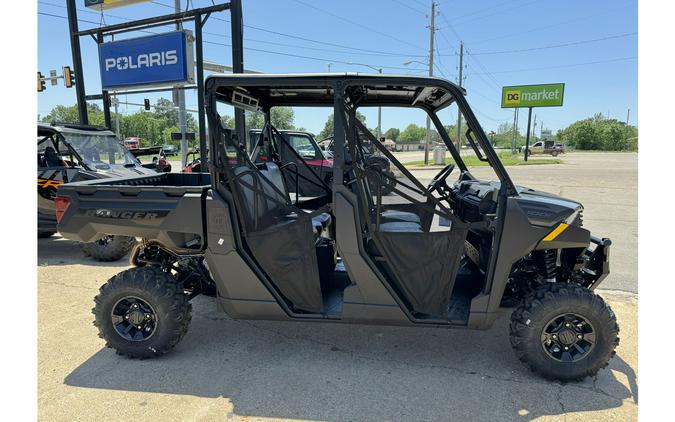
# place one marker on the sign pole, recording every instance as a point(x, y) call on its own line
point(77, 62)
point(104, 93)
point(527, 138)
point(200, 92)
point(237, 30)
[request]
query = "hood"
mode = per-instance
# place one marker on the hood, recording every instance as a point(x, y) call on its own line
point(119, 170)
point(547, 209)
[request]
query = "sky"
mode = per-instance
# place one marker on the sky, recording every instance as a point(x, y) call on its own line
point(591, 46)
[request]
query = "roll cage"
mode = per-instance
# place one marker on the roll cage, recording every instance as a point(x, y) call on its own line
point(272, 229)
point(357, 90)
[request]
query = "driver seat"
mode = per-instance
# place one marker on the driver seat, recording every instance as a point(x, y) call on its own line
point(51, 158)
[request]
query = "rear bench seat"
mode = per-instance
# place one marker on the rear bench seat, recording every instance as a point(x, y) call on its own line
point(272, 173)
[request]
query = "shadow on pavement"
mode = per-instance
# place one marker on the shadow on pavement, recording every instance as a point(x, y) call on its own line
point(57, 250)
point(346, 372)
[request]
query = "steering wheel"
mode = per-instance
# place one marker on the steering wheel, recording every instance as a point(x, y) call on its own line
point(438, 183)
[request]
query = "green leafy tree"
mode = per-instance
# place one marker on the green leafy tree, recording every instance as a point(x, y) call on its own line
point(503, 138)
point(599, 133)
point(392, 133)
point(412, 134)
point(170, 115)
point(282, 118)
point(69, 114)
point(328, 127)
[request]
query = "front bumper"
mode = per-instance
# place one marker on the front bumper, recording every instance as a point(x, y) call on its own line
point(595, 262)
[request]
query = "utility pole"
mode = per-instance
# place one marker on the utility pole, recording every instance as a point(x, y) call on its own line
point(459, 114)
point(179, 101)
point(534, 127)
point(116, 103)
point(627, 116)
point(432, 30)
point(379, 118)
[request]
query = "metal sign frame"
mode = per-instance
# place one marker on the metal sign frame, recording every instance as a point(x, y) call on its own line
point(199, 16)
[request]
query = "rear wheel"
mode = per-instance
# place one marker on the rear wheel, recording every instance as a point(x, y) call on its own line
point(45, 234)
point(554, 153)
point(564, 332)
point(142, 312)
point(109, 248)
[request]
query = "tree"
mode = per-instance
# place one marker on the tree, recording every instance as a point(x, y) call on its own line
point(504, 136)
point(144, 125)
point(282, 118)
point(412, 134)
point(328, 127)
point(599, 133)
point(69, 114)
point(392, 133)
point(170, 115)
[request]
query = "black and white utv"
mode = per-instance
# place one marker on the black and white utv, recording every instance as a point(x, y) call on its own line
point(71, 153)
point(450, 253)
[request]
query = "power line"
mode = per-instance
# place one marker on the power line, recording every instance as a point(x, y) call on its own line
point(368, 28)
point(610, 37)
point(539, 28)
point(409, 7)
point(494, 13)
point(564, 66)
point(361, 51)
point(325, 60)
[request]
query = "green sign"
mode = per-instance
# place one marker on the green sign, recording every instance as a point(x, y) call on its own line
point(547, 95)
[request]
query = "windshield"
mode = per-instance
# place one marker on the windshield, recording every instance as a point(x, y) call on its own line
point(98, 151)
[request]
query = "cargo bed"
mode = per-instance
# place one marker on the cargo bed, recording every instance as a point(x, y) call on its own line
point(165, 207)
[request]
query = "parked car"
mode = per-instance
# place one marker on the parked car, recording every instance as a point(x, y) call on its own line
point(170, 150)
point(546, 147)
point(133, 142)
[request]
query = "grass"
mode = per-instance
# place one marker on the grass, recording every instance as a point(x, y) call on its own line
point(505, 157)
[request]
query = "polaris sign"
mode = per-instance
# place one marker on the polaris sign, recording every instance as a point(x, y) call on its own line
point(156, 60)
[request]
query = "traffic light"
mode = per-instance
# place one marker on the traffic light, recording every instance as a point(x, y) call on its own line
point(146, 104)
point(41, 82)
point(68, 76)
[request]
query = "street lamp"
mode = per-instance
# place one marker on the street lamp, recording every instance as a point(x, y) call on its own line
point(379, 109)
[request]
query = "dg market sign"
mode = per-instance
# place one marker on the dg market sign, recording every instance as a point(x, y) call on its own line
point(157, 60)
point(546, 95)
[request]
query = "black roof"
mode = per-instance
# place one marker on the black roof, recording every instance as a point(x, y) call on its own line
point(316, 89)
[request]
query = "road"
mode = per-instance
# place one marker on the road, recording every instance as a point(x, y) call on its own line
point(256, 370)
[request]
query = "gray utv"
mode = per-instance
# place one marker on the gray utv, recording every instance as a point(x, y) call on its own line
point(71, 153)
point(445, 254)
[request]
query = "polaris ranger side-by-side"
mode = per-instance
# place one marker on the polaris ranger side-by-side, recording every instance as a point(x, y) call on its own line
point(71, 153)
point(351, 254)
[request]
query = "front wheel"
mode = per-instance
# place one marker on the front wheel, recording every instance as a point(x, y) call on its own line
point(554, 153)
point(142, 312)
point(109, 248)
point(564, 332)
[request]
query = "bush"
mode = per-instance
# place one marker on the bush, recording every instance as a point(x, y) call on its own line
point(599, 133)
